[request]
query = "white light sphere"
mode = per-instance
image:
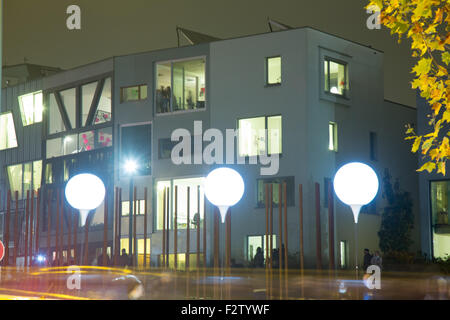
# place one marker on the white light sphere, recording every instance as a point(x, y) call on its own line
point(85, 192)
point(356, 184)
point(224, 188)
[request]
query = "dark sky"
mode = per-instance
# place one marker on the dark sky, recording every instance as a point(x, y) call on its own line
point(36, 29)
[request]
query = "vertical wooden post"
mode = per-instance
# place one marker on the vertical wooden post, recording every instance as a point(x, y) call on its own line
point(188, 229)
point(105, 229)
point(57, 258)
point(204, 244)
point(38, 217)
point(175, 231)
point(318, 232)
point(286, 251)
point(119, 231)
point(75, 234)
point(49, 221)
point(271, 227)
point(164, 229)
point(280, 239)
point(61, 233)
point(135, 254)
point(145, 227)
point(198, 228)
point(7, 226)
point(168, 228)
point(300, 204)
point(16, 230)
point(32, 232)
point(27, 217)
point(116, 224)
point(331, 225)
point(266, 244)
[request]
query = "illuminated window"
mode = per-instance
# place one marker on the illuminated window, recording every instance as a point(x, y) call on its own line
point(8, 137)
point(252, 136)
point(332, 136)
point(25, 177)
point(140, 207)
point(275, 182)
point(103, 112)
point(181, 260)
point(134, 93)
point(440, 212)
point(273, 67)
point(31, 107)
point(136, 145)
point(343, 254)
point(180, 85)
point(335, 74)
point(255, 242)
point(196, 214)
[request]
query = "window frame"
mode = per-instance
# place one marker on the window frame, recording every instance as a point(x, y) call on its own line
point(334, 125)
point(122, 174)
point(329, 59)
point(139, 86)
point(19, 98)
point(267, 84)
point(80, 127)
point(155, 81)
point(22, 192)
point(283, 179)
point(266, 138)
point(15, 131)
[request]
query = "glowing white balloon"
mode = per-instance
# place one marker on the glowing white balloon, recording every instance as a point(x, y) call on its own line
point(224, 188)
point(356, 184)
point(85, 192)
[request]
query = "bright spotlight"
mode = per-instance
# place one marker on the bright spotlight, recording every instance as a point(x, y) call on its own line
point(130, 166)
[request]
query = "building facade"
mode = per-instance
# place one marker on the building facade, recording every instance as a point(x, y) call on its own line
point(313, 100)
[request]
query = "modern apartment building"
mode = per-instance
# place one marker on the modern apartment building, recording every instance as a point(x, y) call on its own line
point(319, 96)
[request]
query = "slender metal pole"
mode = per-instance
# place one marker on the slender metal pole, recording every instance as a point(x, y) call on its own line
point(318, 231)
point(286, 251)
point(38, 217)
point(57, 258)
point(331, 225)
point(188, 234)
point(164, 229)
point(280, 239)
point(168, 228)
point(356, 251)
point(116, 225)
point(61, 233)
point(75, 234)
point(30, 250)
point(49, 221)
point(302, 256)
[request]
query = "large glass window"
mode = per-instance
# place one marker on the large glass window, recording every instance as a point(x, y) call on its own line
point(136, 146)
point(252, 136)
point(273, 66)
point(55, 122)
point(25, 177)
point(332, 136)
point(103, 112)
point(87, 96)
point(336, 81)
point(68, 98)
point(75, 143)
point(31, 107)
point(196, 212)
point(8, 138)
point(255, 242)
point(275, 182)
point(440, 195)
point(180, 85)
point(134, 93)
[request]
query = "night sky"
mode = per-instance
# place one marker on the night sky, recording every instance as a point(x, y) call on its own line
point(36, 30)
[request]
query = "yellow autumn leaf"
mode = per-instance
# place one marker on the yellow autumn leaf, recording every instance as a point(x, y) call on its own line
point(429, 166)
